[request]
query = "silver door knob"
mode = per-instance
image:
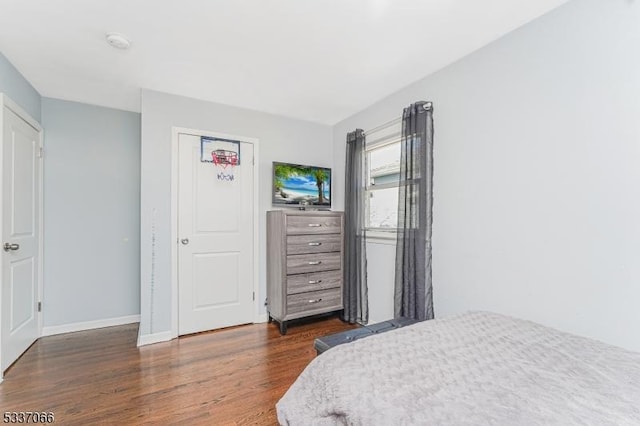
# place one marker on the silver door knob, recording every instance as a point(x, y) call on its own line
point(9, 246)
point(184, 241)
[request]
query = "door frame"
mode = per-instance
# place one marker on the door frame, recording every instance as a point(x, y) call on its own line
point(5, 101)
point(175, 134)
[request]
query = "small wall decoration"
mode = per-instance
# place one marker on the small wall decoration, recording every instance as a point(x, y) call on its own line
point(229, 177)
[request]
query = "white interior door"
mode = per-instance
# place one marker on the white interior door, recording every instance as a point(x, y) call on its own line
point(20, 236)
point(215, 247)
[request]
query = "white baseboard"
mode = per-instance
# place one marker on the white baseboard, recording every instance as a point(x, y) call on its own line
point(150, 339)
point(88, 325)
point(165, 336)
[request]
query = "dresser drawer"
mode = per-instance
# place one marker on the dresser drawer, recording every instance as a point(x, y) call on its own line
point(314, 281)
point(307, 224)
point(302, 244)
point(314, 302)
point(303, 263)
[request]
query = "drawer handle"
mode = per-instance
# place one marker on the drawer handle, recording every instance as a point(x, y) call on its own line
point(317, 262)
point(315, 281)
point(315, 244)
point(315, 300)
point(314, 225)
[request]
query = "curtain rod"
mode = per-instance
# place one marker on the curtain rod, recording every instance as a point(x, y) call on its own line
point(428, 105)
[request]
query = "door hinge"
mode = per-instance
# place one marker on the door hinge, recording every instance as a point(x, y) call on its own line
point(254, 296)
point(39, 306)
point(253, 161)
point(40, 152)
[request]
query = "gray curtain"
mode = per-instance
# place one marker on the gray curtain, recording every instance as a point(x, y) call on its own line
point(413, 283)
point(356, 304)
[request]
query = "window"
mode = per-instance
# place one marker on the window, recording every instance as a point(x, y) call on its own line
point(381, 194)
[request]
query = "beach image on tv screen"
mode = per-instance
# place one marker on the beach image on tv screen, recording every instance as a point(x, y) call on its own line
point(294, 184)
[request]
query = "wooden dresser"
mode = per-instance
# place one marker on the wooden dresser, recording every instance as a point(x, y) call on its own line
point(304, 264)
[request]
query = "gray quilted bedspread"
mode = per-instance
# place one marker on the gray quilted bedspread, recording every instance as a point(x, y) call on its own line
point(477, 368)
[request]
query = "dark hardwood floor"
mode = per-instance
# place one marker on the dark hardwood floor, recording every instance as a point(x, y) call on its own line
point(229, 376)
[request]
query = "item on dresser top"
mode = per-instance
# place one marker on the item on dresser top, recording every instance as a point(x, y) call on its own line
point(304, 264)
point(297, 183)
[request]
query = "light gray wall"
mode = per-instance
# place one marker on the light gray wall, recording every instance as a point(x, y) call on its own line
point(280, 139)
point(91, 212)
point(380, 276)
point(537, 173)
point(14, 85)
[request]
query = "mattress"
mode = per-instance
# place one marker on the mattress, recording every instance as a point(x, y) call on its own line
point(477, 368)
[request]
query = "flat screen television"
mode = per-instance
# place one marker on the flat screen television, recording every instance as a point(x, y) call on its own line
point(295, 185)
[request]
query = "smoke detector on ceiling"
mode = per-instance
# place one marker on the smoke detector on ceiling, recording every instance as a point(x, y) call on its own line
point(118, 41)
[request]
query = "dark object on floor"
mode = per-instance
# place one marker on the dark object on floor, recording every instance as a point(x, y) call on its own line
point(321, 344)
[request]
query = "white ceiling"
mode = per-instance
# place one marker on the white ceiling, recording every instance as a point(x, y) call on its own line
point(318, 60)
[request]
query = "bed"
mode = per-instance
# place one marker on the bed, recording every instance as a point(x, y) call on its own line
point(477, 368)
